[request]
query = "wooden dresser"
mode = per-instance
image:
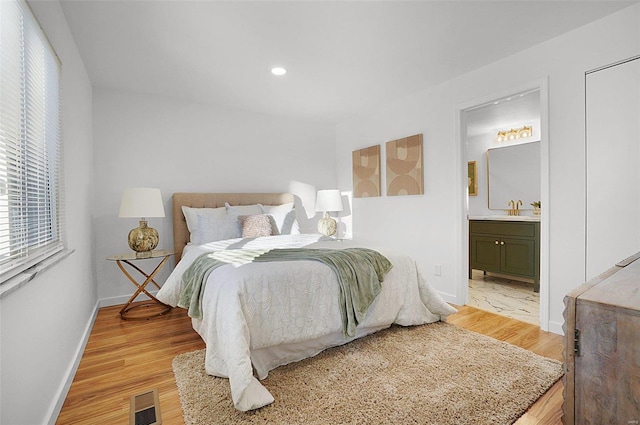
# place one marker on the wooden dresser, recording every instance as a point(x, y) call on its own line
point(602, 348)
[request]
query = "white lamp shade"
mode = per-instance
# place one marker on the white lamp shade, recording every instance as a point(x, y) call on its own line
point(141, 202)
point(329, 200)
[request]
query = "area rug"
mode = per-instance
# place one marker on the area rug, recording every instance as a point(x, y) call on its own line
point(431, 374)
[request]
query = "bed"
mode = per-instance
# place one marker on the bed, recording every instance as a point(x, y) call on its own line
point(256, 316)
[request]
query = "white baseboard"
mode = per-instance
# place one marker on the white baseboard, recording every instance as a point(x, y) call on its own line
point(556, 327)
point(451, 299)
point(62, 392)
point(108, 302)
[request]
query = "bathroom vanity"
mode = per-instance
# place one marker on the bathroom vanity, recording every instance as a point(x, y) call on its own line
point(509, 245)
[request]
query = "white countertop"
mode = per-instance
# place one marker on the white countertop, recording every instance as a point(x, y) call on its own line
point(506, 217)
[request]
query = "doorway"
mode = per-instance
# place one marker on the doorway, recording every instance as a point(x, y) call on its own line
point(489, 128)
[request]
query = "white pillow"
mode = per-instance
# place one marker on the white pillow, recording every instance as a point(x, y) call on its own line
point(193, 215)
point(212, 228)
point(243, 209)
point(283, 218)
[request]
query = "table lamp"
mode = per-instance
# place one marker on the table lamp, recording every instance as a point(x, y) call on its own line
point(142, 202)
point(328, 200)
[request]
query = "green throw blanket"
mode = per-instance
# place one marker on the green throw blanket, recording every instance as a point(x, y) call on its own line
point(359, 271)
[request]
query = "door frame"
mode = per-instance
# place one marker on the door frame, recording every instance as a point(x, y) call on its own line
point(462, 203)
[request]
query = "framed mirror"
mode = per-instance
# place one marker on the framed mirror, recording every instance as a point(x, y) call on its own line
point(513, 174)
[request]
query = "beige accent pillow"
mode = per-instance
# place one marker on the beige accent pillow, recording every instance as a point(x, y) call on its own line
point(255, 226)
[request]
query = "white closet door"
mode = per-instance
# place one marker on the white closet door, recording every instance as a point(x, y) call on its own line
point(613, 166)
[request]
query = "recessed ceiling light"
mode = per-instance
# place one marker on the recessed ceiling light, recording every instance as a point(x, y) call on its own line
point(278, 70)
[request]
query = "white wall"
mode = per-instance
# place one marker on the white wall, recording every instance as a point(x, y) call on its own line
point(613, 151)
point(43, 324)
point(178, 146)
point(428, 227)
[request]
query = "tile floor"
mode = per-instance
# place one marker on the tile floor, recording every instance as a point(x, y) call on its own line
point(507, 297)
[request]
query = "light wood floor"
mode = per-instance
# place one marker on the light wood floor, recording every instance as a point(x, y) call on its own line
point(125, 358)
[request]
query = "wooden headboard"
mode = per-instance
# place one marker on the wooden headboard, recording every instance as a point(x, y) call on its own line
point(214, 200)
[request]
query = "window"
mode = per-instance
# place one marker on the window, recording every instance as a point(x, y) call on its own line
point(30, 132)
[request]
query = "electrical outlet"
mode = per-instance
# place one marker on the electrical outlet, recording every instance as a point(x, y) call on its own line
point(438, 270)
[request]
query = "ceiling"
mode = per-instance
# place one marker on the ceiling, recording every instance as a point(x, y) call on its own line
point(342, 57)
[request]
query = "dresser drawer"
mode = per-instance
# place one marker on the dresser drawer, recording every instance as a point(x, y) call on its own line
point(506, 228)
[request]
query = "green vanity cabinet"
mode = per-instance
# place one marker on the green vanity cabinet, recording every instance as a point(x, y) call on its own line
point(506, 247)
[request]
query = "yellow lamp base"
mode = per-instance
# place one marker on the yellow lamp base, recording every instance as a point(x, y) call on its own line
point(143, 239)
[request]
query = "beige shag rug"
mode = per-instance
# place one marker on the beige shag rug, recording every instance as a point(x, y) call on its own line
point(431, 374)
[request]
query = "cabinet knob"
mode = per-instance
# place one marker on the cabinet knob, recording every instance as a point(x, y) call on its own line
point(502, 243)
point(496, 242)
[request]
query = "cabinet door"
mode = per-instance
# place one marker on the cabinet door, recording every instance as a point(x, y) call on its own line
point(485, 253)
point(518, 256)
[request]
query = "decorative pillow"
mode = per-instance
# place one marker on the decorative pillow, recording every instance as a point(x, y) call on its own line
point(193, 217)
point(213, 228)
point(255, 226)
point(283, 218)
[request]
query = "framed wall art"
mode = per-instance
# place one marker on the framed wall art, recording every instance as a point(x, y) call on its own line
point(472, 180)
point(366, 172)
point(405, 174)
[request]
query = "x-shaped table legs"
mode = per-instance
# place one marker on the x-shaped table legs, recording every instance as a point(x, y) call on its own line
point(142, 290)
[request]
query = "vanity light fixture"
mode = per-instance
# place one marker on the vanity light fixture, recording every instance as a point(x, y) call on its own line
point(513, 134)
point(525, 132)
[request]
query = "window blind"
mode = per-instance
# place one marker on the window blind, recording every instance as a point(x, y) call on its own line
point(30, 133)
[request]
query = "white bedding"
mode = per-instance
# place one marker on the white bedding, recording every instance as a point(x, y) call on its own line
point(264, 315)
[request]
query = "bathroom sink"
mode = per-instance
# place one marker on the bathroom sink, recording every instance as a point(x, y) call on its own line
point(506, 217)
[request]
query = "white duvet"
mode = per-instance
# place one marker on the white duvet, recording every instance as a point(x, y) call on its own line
point(264, 315)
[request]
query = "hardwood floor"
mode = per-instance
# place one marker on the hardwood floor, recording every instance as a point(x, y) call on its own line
point(126, 358)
